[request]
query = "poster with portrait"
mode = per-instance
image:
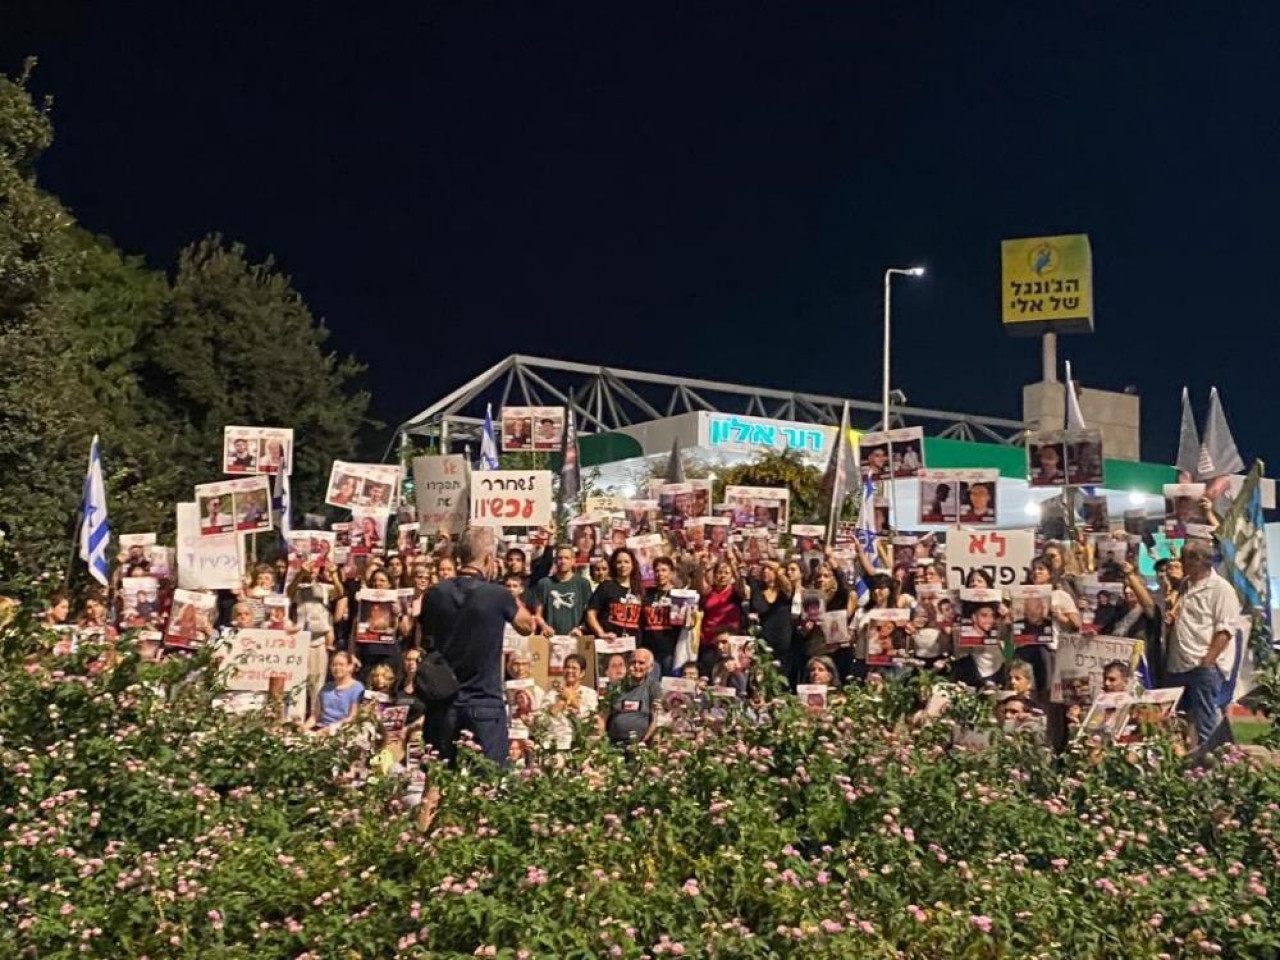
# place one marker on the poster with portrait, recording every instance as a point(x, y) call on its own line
point(1099, 602)
point(192, 616)
point(812, 695)
point(1106, 716)
point(874, 458)
point(939, 500)
point(887, 636)
point(612, 655)
point(891, 454)
point(641, 516)
point(935, 606)
point(276, 607)
point(257, 449)
point(234, 506)
point(407, 544)
point(1046, 458)
point(835, 628)
point(1084, 457)
point(134, 546)
point(1150, 715)
point(376, 616)
point(759, 507)
point(683, 604)
point(532, 428)
point(374, 486)
point(978, 492)
point(1095, 514)
point(812, 606)
point(1184, 511)
point(558, 648)
point(647, 549)
point(368, 532)
point(1110, 556)
point(1079, 662)
point(141, 602)
point(523, 700)
point(904, 554)
point(716, 530)
point(679, 697)
point(979, 624)
point(1032, 620)
point(584, 535)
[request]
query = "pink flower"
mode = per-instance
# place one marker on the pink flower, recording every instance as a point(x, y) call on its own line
point(690, 888)
point(66, 908)
point(983, 923)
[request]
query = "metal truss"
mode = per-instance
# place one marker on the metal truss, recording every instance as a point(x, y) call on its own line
point(608, 398)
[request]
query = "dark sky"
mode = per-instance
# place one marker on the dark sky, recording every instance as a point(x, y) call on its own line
point(702, 189)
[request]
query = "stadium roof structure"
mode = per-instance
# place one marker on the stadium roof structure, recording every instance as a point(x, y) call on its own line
point(606, 399)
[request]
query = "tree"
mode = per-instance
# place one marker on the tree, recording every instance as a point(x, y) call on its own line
point(241, 347)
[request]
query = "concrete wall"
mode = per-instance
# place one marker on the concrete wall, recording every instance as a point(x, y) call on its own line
point(1117, 415)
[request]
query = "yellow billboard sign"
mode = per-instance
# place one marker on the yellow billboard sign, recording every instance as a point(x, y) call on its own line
point(1046, 284)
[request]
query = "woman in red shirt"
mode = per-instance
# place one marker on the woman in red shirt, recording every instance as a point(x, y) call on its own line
point(723, 592)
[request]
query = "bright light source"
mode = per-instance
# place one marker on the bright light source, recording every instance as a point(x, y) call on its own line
point(1032, 509)
point(916, 271)
point(1136, 499)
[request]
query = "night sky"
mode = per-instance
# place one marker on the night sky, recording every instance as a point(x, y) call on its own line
point(701, 189)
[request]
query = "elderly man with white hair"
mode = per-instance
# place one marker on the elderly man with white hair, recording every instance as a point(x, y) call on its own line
point(1201, 630)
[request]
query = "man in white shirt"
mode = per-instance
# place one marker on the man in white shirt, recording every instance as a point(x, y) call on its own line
point(1202, 628)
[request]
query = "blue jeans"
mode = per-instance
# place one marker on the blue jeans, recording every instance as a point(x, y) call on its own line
point(1200, 698)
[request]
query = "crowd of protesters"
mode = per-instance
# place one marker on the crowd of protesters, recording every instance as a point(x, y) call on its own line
point(456, 663)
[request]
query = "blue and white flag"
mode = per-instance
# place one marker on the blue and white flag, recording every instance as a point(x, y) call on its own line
point(488, 443)
point(280, 502)
point(95, 534)
point(865, 531)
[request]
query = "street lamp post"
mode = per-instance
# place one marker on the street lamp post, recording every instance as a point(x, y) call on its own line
point(888, 276)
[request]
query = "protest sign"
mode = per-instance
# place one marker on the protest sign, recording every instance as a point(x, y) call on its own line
point(979, 624)
point(532, 428)
point(254, 657)
point(1096, 515)
point(161, 561)
point(1185, 515)
point(1004, 555)
point(939, 499)
point(812, 695)
point(887, 635)
point(374, 486)
point(141, 602)
point(442, 486)
point(514, 498)
point(978, 492)
point(892, 454)
point(1079, 661)
point(611, 658)
point(647, 549)
point(240, 506)
point(1032, 623)
point(376, 617)
point(758, 507)
point(257, 449)
point(205, 563)
point(1084, 457)
point(368, 531)
point(191, 619)
point(1046, 459)
point(134, 547)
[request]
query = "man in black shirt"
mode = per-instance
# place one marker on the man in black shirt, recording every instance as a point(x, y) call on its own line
point(467, 615)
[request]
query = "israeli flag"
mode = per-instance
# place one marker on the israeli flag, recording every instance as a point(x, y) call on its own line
point(280, 502)
point(488, 444)
point(95, 534)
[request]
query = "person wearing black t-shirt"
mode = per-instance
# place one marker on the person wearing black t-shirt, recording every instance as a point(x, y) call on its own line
point(614, 607)
point(657, 634)
point(467, 616)
point(770, 606)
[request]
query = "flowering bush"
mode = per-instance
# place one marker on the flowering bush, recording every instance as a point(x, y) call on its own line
point(136, 819)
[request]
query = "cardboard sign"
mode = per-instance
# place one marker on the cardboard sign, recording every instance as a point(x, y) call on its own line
point(205, 563)
point(513, 498)
point(257, 449)
point(373, 486)
point(1005, 555)
point(442, 487)
point(234, 506)
point(532, 428)
point(1079, 662)
point(255, 656)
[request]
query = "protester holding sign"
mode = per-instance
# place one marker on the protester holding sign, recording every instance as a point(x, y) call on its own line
point(723, 592)
point(614, 607)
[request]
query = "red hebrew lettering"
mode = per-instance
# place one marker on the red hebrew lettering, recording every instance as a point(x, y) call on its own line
point(528, 509)
point(1000, 543)
point(513, 508)
point(977, 543)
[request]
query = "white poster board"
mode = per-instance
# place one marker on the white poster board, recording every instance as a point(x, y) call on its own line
point(253, 657)
point(1005, 555)
point(442, 488)
point(513, 498)
point(205, 563)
